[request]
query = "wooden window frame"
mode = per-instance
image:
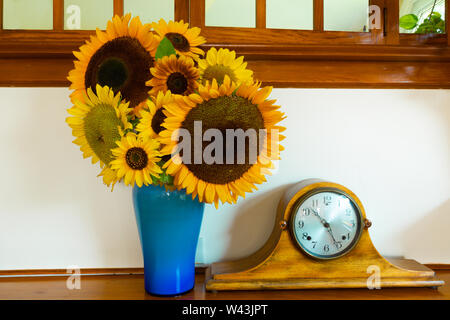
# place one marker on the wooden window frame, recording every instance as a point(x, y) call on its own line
point(283, 58)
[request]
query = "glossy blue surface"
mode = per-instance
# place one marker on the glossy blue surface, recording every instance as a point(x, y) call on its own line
point(169, 225)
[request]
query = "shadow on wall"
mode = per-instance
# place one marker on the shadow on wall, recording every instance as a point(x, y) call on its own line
point(245, 239)
point(429, 237)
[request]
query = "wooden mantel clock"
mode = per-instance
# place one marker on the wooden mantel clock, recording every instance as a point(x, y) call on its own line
point(320, 240)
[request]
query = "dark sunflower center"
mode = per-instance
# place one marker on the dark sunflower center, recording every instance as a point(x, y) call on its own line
point(224, 113)
point(177, 83)
point(113, 73)
point(100, 126)
point(136, 158)
point(124, 65)
point(179, 41)
point(158, 120)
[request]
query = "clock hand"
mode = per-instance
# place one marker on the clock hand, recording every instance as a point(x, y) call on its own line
point(322, 220)
point(331, 234)
point(326, 225)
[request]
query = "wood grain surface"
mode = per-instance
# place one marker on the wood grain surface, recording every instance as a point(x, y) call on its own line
point(282, 58)
point(131, 287)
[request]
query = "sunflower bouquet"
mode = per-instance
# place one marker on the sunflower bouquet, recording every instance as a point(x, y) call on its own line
point(151, 107)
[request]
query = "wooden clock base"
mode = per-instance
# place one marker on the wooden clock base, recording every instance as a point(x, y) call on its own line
point(403, 273)
point(279, 264)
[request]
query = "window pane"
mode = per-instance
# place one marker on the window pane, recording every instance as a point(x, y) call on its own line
point(87, 14)
point(346, 15)
point(290, 14)
point(230, 13)
point(151, 10)
point(415, 16)
point(28, 14)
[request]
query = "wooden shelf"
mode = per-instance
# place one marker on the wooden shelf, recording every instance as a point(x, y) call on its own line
point(131, 287)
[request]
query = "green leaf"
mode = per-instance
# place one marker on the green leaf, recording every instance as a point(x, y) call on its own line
point(164, 178)
point(164, 49)
point(409, 21)
point(436, 14)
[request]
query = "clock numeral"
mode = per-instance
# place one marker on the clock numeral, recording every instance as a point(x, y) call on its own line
point(315, 203)
point(305, 236)
point(314, 244)
point(339, 244)
point(327, 200)
point(301, 224)
point(306, 212)
point(326, 248)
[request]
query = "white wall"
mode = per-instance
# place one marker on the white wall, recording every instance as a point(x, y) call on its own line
point(391, 147)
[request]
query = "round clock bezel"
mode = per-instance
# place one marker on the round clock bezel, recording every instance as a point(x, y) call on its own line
point(294, 211)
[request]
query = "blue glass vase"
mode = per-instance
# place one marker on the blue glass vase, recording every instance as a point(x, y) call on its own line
point(169, 225)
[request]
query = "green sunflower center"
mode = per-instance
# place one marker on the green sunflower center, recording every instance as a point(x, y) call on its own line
point(122, 64)
point(177, 83)
point(158, 120)
point(229, 112)
point(136, 158)
point(179, 41)
point(101, 131)
point(218, 72)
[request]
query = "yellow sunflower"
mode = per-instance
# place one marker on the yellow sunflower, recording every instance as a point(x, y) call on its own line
point(136, 160)
point(98, 122)
point(219, 64)
point(222, 108)
point(177, 74)
point(151, 120)
point(119, 58)
point(184, 40)
point(109, 176)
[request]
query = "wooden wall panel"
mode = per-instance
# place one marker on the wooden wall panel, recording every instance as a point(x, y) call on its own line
point(39, 72)
point(42, 72)
point(353, 74)
point(283, 58)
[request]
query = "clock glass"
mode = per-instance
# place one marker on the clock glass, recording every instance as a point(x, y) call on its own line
point(326, 224)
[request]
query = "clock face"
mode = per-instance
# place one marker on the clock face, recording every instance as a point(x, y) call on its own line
point(326, 224)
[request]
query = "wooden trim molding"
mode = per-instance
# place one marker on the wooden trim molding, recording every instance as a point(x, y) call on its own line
point(282, 58)
point(296, 67)
point(118, 7)
point(58, 15)
point(199, 269)
point(43, 58)
point(447, 20)
point(392, 20)
point(318, 15)
point(182, 10)
point(1, 15)
point(261, 14)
